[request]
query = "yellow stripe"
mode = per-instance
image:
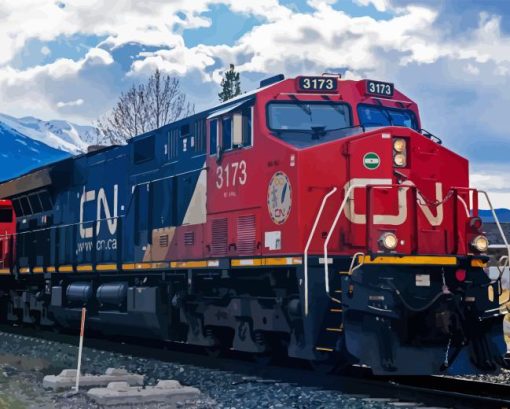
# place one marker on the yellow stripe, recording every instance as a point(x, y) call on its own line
point(246, 262)
point(84, 267)
point(189, 264)
point(334, 329)
point(335, 310)
point(50, 269)
point(24, 270)
point(142, 266)
point(428, 260)
point(38, 270)
point(5, 271)
point(324, 349)
point(128, 266)
point(65, 269)
point(106, 267)
point(271, 261)
point(283, 261)
point(478, 263)
point(160, 265)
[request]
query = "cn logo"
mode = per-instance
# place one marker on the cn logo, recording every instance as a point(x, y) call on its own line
point(102, 211)
point(401, 217)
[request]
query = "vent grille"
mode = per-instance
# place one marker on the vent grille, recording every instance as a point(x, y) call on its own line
point(219, 237)
point(246, 235)
point(189, 238)
point(163, 241)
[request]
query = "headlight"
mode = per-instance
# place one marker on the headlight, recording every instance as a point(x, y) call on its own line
point(480, 243)
point(399, 160)
point(388, 241)
point(399, 145)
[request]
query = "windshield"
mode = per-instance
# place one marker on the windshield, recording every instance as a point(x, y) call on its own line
point(303, 116)
point(372, 115)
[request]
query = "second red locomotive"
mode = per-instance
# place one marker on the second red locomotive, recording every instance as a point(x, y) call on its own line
point(312, 216)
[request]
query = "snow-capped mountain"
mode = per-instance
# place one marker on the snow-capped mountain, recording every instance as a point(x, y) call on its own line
point(28, 143)
point(61, 135)
point(20, 154)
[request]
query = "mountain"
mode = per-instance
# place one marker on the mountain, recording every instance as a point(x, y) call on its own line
point(20, 154)
point(61, 135)
point(28, 143)
point(503, 215)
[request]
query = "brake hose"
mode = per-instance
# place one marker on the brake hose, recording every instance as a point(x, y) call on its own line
point(410, 307)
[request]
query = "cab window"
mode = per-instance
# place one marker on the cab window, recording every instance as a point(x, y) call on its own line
point(374, 116)
point(235, 131)
point(226, 133)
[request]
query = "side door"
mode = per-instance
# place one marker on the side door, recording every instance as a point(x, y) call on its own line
point(234, 220)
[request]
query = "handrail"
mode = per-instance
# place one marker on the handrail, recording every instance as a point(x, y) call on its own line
point(330, 233)
point(309, 242)
point(504, 261)
point(501, 232)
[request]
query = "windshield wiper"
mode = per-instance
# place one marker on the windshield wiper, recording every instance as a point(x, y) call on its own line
point(318, 131)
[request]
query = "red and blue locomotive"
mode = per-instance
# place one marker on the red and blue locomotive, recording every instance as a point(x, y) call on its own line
point(312, 216)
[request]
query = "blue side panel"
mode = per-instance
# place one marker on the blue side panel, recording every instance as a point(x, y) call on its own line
point(88, 212)
point(119, 196)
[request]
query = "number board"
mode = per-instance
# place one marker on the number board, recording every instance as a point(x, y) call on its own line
point(382, 89)
point(322, 84)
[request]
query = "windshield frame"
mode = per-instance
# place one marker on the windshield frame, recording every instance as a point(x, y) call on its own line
point(303, 102)
point(414, 117)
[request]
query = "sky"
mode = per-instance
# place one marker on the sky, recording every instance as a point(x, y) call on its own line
point(70, 59)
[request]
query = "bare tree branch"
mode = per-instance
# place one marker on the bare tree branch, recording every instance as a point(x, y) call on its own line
point(143, 108)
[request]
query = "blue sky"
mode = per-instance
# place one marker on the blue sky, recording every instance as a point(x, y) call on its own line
point(70, 59)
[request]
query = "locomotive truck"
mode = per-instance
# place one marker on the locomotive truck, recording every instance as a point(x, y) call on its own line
point(312, 217)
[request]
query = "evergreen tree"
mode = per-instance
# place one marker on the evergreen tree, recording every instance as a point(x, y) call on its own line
point(230, 85)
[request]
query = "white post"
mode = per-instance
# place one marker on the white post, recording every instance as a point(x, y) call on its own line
point(82, 330)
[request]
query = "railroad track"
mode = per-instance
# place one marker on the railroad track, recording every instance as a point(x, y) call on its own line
point(418, 391)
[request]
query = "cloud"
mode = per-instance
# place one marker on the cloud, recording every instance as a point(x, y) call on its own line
point(380, 5)
point(42, 90)
point(75, 103)
point(45, 50)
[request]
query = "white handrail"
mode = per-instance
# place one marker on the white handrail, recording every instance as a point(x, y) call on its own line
point(330, 233)
point(309, 242)
point(501, 232)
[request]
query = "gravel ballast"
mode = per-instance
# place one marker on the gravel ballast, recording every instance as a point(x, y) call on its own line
point(25, 360)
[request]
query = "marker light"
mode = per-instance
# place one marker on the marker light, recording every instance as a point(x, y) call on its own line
point(475, 223)
point(399, 160)
point(480, 243)
point(388, 241)
point(399, 145)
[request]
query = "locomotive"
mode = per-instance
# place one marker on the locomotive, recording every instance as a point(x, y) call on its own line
point(311, 217)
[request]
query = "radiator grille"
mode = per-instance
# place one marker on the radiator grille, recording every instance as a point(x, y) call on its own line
point(246, 234)
point(219, 237)
point(163, 240)
point(189, 238)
